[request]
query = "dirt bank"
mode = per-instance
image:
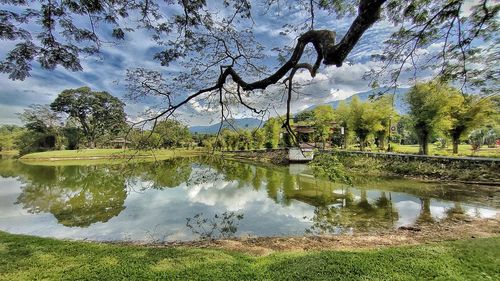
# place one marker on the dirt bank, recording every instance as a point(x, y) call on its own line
point(450, 230)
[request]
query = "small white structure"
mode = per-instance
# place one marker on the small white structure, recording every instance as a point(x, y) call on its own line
point(296, 154)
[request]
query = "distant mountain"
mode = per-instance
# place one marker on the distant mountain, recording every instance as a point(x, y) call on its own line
point(399, 103)
point(244, 123)
point(251, 123)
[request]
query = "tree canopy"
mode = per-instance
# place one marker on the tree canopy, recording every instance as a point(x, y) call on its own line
point(220, 58)
point(97, 113)
point(429, 106)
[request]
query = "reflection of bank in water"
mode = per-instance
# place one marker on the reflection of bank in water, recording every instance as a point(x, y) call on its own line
point(379, 204)
point(303, 150)
point(107, 202)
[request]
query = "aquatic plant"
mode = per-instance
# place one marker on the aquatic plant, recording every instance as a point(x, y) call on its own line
point(329, 166)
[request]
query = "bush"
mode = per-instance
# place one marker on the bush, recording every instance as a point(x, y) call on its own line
point(329, 166)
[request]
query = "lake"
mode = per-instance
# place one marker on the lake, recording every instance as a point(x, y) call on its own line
point(176, 200)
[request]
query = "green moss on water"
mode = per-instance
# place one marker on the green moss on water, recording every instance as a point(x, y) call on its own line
point(31, 258)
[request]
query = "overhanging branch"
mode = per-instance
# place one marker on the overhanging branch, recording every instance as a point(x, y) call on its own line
point(326, 51)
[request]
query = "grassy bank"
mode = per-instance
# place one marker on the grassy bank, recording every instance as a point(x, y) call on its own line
point(363, 165)
point(9, 152)
point(29, 258)
point(463, 150)
point(101, 156)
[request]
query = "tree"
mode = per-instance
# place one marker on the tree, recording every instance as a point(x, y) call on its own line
point(343, 112)
point(467, 112)
point(212, 48)
point(386, 116)
point(97, 113)
point(404, 129)
point(9, 134)
point(429, 109)
point(144, 139)
point(229, 139)
point(364, 120)
point(306, 116)
point(324, 117)
point(273, 132)
point(43, 129)
point(259, 138)
point(172, 133)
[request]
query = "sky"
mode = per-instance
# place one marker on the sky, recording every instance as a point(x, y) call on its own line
point(107, 72)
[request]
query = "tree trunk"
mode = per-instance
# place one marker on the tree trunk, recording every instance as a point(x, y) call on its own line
point(381, 142)
point(424, 145)
point(456, 141)
point(344, 138)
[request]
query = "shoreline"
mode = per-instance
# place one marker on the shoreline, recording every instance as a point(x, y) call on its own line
point(263, 246)
point(473, 175)
point(403, 236)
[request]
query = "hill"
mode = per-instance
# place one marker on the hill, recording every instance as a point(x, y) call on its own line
point(399, 104)
point(244, 123)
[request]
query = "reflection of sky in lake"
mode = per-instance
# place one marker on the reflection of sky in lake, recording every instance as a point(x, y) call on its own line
point(161, 214)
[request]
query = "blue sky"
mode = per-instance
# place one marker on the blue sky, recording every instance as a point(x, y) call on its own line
point(107, 72)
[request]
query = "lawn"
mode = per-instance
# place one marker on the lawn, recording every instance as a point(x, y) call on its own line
point(9, 152)
point(463, 150)
point(100, 155)
point(30, 258)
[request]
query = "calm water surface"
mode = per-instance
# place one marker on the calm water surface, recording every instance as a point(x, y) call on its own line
point(151, 201)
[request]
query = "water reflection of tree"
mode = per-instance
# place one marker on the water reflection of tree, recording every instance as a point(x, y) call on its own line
point(75, 195)
point(168, 173)
point(456, 213)
point(333, 209)
point(350, 214)
point(425, 215)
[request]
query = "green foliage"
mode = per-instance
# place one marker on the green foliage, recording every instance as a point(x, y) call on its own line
point(343, 116)
point(98, 114)
point(73, 137)
point(429, 107)
point(323, 117)
point(468, 112)
point(27, 257)
point(172, 133)
point(43, 130)
point(405, 132)
point(363, 165)
point(386, 117)
point(9, 134)
point(329, 166)
point(367, 118)
point(304, 117)
point(259, 138)
point(145, 139)
point(273, 131)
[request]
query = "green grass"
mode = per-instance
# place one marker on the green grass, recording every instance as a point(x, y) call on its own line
point(32, 258)
point(102, 156)
point(9, 152)
point(463, 150)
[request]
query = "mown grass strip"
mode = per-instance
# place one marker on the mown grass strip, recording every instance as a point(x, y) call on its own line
point(103, 156)
point(30, 258)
